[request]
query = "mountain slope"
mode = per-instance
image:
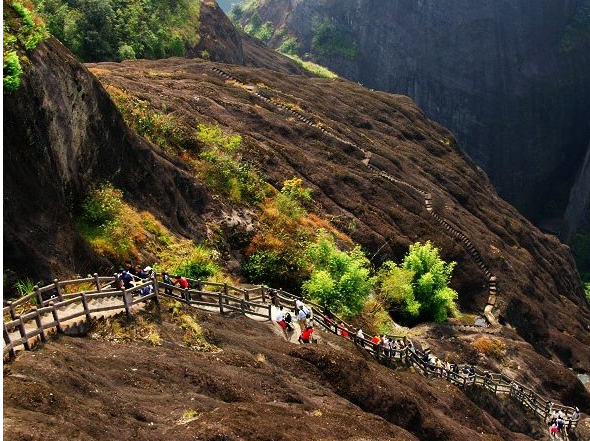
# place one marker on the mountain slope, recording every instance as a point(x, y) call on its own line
point(534, 270)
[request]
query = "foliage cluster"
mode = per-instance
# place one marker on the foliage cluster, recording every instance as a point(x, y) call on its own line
point(157, 126)
point(276, 254)
point(99, 30)
point(289, 46)
point(222, 167)
point(257, 29)
point(330, 41)
point(417, 290)
point(340, 280)
point(492, 347)
point(117, 231)
point(23, 30)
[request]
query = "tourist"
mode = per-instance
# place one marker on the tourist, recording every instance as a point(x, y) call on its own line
point(302, 317)
point(139, 273)
point(129, 267)
point(360, 338)
point(553, 431)
point(168, 281)
point(126, 278)
point(280, 319)
point(343, 331)
point(181, 282)
point(305, 336)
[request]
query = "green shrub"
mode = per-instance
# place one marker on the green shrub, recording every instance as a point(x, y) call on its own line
point(223, 168)
point(289, 46)
point(435, 300)
point(263, 267)
point(103, 205)
point(587, 289)
point(340, 280)
point(395, 290)
point(330, 41)
point(125, 52)
point(22, 32)
point(12, 71)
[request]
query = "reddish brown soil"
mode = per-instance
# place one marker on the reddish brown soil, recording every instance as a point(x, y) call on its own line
point(540, 292)
point(259, 387)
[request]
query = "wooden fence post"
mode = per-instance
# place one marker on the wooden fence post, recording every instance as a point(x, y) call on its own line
point(126, 302)
point(199, 285)
point(156, 288)
point(13, 315)
point(8, 342)
point(246, 295)
point(97, 282)
point(220, 302)
point(187, 296)
point(243, 306)
point(85, 305)
point(40, 327)
point(226, 292)
point(23, 334)
point(270, 312)
point(262, 292)
point(56, 319)
point(58, 289)
point(38, 295)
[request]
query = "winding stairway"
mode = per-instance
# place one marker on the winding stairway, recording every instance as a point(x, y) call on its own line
point(55, 310)
point(474, 254)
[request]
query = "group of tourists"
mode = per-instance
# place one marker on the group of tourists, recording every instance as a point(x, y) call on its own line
point(557, 424)
point(129, 276)
point(304, 320)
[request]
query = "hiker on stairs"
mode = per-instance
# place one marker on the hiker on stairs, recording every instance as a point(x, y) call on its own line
point(305, 336)
point(281, 319)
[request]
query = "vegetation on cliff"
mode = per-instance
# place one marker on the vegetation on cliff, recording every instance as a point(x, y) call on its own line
point(117, 231)
point(23, 30)
point(98, 30)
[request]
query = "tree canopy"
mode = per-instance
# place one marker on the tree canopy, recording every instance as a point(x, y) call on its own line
point(100, 30)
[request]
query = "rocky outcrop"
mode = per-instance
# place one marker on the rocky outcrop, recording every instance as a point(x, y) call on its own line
point(510, 79)
point(62, 135)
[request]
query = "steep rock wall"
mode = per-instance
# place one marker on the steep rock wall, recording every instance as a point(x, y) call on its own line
point(63, 134)
point(510, 79)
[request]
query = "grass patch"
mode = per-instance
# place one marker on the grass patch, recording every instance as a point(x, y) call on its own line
point(121, 330)
point(314, 68)
point(156, 126)
point(222, 167)
point(193, 336)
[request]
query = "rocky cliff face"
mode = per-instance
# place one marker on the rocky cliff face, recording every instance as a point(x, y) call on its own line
point(63, 134)
point(510, 79)
point(577, 214)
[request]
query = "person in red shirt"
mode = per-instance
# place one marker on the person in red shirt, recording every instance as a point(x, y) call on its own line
point(343, 331)
point(181, 281)
point(305, 336)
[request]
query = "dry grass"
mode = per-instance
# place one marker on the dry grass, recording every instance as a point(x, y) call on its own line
point(120, 330)
point(492, 347)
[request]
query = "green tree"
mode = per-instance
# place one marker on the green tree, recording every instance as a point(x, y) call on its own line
point(430, 283)
point(394, 289)
point(340, 280)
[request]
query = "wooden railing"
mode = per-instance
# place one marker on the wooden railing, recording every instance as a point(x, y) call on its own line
point(56, 311)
